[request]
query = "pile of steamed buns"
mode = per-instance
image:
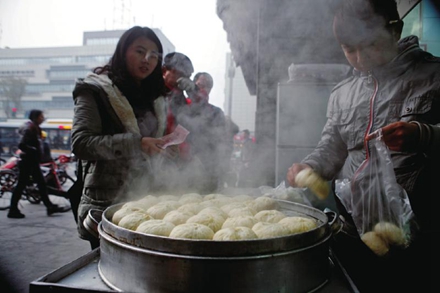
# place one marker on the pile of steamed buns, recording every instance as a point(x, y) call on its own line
point(210, 217)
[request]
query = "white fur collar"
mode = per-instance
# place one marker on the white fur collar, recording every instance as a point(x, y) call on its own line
point(118, 101)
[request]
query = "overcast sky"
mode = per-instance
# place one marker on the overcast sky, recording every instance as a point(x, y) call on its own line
point(191, 25)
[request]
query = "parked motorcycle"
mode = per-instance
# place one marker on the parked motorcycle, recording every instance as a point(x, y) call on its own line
point(62, 162)
point(55, 174)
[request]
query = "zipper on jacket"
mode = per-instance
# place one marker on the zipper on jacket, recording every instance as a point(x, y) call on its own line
point(371, 78)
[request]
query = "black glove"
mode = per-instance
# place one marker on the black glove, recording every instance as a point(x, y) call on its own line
point(186, 84)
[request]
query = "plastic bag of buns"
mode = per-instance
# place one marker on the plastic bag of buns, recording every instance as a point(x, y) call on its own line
point(378, 205)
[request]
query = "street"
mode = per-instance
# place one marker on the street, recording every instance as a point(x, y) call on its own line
point(36, 245)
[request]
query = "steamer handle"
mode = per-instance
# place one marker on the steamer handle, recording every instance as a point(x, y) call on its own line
point(333, 220)
point(94, 217)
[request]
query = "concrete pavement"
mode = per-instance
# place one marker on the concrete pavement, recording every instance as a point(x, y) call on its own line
point(36, 245)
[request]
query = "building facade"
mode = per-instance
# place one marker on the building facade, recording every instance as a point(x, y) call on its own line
point(424, 21)
point(50, 73)
point(239, 104)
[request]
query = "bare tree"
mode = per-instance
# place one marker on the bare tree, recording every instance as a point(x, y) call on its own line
point(12, 90)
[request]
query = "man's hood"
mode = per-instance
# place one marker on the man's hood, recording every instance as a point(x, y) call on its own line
point(25, 126)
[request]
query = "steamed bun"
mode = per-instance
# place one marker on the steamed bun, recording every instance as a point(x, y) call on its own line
point(214, 196)
point(191, 195)
point(191, 208)
point(218, 202)
point(213, 221)
point(147, 202)
point(242, 197)
point(390, 233)
point(240, 221)
point(299, 224)
point(308, 178)
point(262, 203)
point(132, 204)
point(375, 243)
point(122, 212)
point(159, 210)
point(233, 205)
point(168, 197)
point(235, 233)
point(270, 230)
point(133, 220)
point(190, 198)
point(155, 227)
point(244, 211)
point(214, 210)
point(177, 217)
point(192, 231)
point(271, 216)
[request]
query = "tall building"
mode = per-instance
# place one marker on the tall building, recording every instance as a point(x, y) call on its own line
point(51, 72)
point(239, 104)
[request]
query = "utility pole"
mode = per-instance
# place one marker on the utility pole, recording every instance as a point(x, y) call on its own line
point(231, 75)
point(1, 33)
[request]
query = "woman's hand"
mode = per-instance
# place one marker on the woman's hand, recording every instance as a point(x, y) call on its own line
point(151, 145)
point(399, 136)
point(172, 152)
point(293, 171)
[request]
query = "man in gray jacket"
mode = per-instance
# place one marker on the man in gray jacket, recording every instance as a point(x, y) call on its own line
point(395, 87)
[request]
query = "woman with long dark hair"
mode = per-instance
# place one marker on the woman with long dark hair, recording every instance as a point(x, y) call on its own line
point(115, 125)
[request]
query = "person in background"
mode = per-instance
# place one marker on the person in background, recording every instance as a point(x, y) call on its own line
point(177, 67)
point(231, 130)
point(231, 127)
point(210, 145)
point(52, 182)
point(115, 127)
point(46, 156)
point(57, 142)
point(246, 156)
point(29, 165)
point(394, 87)
point(247, 148)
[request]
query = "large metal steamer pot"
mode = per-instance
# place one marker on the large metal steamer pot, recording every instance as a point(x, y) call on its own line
point(136, 262)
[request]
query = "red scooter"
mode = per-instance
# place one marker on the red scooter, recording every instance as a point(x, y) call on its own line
point(54, 172)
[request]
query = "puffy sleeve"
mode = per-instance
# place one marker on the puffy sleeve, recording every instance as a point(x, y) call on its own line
point(96, 135)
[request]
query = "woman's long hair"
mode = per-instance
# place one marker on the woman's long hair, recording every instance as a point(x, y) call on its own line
point(116, 69)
